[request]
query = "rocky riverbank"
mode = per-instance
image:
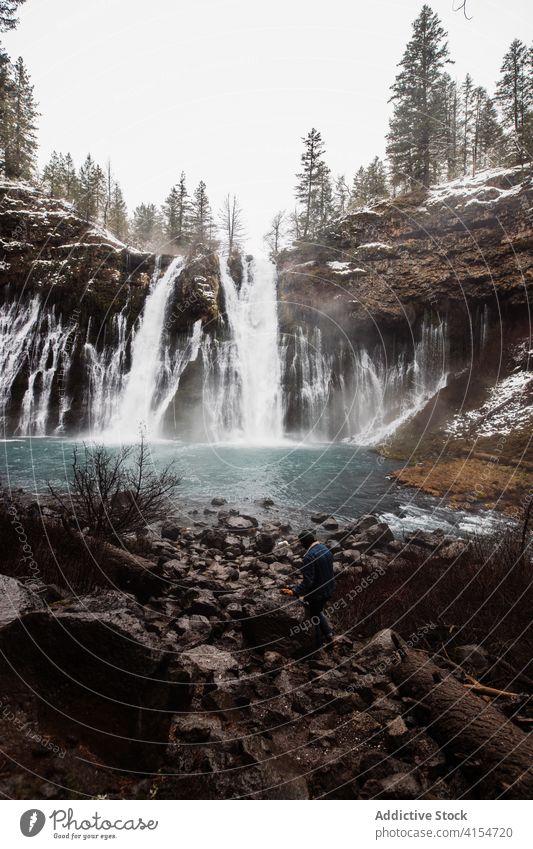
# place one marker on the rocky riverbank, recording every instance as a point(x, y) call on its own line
point(174, 668)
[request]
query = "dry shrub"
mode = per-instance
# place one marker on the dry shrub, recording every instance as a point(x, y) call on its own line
point(484, 597)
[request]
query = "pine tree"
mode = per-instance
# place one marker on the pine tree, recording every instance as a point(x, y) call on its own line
point(5, 93)
point(100, 192)
point(52, 176)
point(324, 198)
point(8, 14)
point(176, 214)
point(201, 219)
point(90, 180)
point(369, 184)
point(450, 131)
point(117, 217)
point(487, 140)
point(69, 178)
point(22, 116)
point(467, 121)
point(359, 188)
point(310, 185)
point(415, 131)
point(514, 93)
point(341, 195)
point(146, 229)
point(376, 180)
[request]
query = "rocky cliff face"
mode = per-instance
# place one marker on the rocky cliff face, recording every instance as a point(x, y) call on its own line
point(70, 298)
point(434, 287)
point(451, 248)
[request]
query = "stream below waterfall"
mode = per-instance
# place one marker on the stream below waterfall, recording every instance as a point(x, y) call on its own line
point(343, 480)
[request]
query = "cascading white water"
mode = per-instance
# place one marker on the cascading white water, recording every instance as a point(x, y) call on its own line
point(106, 370)
point(17, 325)
point(252, 382)
point(43, 369)
point(36, 340)
point(175, 362)
point(136, 404)
point(354, 395)
point(242, 395)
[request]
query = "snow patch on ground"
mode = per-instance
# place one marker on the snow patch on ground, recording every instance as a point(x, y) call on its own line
point(371, 246)
point(473, 191)
point(508, 407)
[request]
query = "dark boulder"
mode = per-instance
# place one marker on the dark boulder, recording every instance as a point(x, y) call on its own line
point(265, 543)
point(275, 624)
point(171, 530)
point(15, 601)
point(94, 669)
point(240, 524)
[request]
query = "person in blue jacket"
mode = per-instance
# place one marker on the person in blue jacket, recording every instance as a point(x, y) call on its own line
point(317, 585)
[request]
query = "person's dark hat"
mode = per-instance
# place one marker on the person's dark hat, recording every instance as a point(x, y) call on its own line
point(306, 537)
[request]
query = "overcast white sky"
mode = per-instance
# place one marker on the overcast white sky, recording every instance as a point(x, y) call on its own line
point(224, 89)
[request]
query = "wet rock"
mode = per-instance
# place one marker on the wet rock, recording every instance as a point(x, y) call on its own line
point(330, 524)
point(368, 520)
point(198, 728)
point(203, 603)
point(15, 601)
point(396, 730)
point(265, 542)
point(377, 535)
point(265, 502)
point(275, 625)
point(426, 539)
point(218, 501)
point(95, 669)
point(403, 785)
point(385, 642)
point(213, 538)
point(193, 630)
point(171, 530)
point(240, 524)
point(208, 663)
point(455, 550)
point(318, 518)
point(351, 556)
point(364, 725)
point(232, 541)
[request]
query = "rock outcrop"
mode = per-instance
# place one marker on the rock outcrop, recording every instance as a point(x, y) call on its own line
point(450, 248)
point(71, 295)
point(439, 281)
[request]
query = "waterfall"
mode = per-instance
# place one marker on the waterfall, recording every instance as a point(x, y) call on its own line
point(17, 324)
point(242, 393)
point(250, 382)
point(352, 393)
point(34, 343)
point(175, 361)
point(136, 404)
point(105, 373)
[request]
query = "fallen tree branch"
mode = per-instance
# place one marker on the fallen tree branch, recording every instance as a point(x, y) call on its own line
point(498, 752)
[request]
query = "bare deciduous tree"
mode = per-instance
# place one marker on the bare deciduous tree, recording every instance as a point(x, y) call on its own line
point(113, 493)
point(231, 222)
point(276, 234)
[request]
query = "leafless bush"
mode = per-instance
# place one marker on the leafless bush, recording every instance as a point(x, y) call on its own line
point(115, 493)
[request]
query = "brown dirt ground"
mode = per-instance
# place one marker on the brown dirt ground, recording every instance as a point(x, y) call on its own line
point(470, 483)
